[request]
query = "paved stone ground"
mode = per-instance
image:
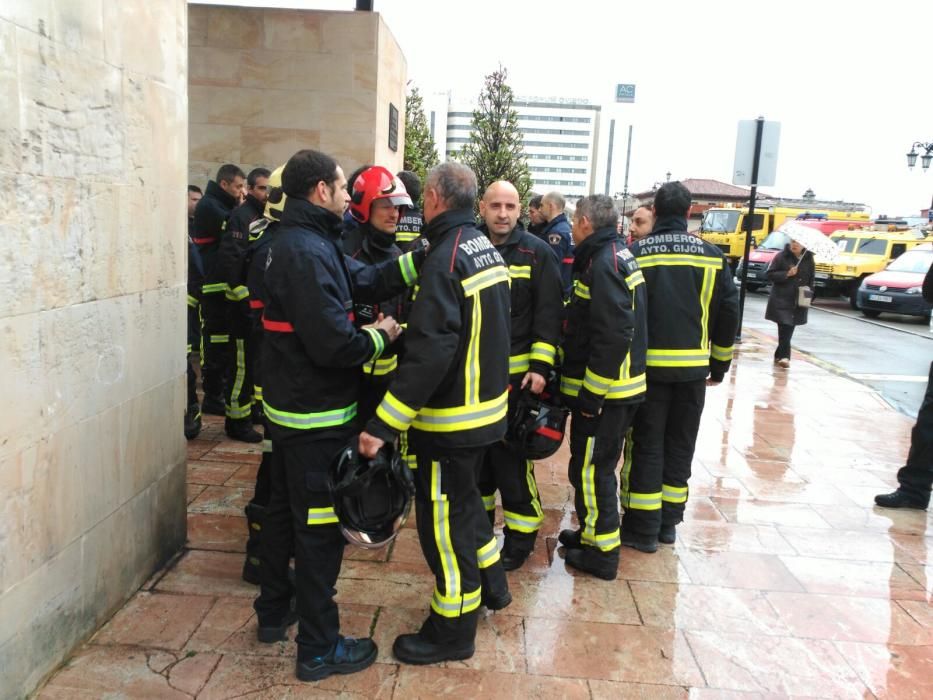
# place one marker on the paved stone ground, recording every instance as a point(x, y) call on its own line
point(784, 579)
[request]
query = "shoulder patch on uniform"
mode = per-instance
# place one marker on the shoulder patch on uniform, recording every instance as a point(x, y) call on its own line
point(554, 238)
point(625, 254)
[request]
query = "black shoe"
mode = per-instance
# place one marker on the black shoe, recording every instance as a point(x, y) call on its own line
point(349, 655)
point(899, 499)
point(641, 543)
point(241, 430)
point(604, 566)
point(256, 414)
point(496, 600)
point(214, 406)
point(570, 539)
point(271, 633)
point(415, 649)
point(668, 534)
point(192, 421)
point(513, 557)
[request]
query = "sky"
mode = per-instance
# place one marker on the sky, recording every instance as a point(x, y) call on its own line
point(849, 82)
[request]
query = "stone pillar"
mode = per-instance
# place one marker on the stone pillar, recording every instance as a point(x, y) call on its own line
point(265, 83)
point(93, 168)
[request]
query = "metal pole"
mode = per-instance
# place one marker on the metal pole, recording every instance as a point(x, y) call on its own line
point(759, 128)
point(628, 161)
point(612, 129)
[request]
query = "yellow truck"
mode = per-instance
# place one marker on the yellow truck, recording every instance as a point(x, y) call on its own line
point(724, 227)
point(864, 252)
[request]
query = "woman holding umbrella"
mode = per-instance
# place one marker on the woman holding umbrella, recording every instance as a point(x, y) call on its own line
point(790, 272)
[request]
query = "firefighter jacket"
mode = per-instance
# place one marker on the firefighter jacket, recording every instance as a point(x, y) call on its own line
point(409, 228)
point(537, 304)
point(556, 233)
point(451, 390)
point(210, 220)
point(261, 235)
point(312, 352)
point(606, 338)
point(230, 267)
point(371, 247)
point(693, 307)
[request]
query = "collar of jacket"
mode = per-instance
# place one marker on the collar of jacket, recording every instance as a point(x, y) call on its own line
point(303, 214)
point(375, 240)
point(258, 207)
point(594, 242)
point(670, 223)
point(442, 223)
point(553, 222)
point(217, 192)
point(511, 241)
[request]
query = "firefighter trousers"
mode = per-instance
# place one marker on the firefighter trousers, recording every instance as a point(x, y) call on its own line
point(300, 510)
point(194, 346)
point(238, 369)
point(595, 449)
point(916, 477)
point(457, 542)
point(659, 455)
point(214, 341)
point(254, 355)
point(513, 476)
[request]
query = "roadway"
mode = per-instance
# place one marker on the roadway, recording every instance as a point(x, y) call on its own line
point(892, 353)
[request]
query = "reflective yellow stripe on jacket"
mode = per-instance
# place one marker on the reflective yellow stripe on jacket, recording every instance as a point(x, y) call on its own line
point(661, 357)
point(310, 421)
point(382, 366)
point(543, 352)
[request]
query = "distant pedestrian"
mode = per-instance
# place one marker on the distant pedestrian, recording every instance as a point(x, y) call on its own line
point(915, 479)
point(556, 233)
point(536, 220)
point(640, 224)
point(790, 271)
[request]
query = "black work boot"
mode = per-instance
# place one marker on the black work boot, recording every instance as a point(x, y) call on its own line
point(192, 421)
point(418, 650)
point(570, 539)
point(642, 543)
point(604, 565)
point(242, 430)
point(214, 405)
point(899, 499)
point(271, 631)
point(349, 655)
point(255, 514)
point(667, 534)
point(513, 555)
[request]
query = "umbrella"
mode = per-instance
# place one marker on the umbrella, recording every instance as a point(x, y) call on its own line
point(821, 245)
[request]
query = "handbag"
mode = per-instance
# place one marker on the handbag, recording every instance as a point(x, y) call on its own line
point(804, 297)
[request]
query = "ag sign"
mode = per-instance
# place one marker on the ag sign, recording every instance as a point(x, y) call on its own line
point(625, 93)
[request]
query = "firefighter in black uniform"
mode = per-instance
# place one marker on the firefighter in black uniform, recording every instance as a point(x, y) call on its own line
point(451, 396)
point(692, 319)
point(536, 326)
point(311, 373)
point(261, 234)
point(195, 280)
point(411, 222)
point(210, 220)
point(230, 269)
point(376, 201)
point(556, 233)
point(602, 378)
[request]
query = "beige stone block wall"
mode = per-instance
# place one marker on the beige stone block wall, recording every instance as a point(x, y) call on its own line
point(266, 83)
point(93, 153)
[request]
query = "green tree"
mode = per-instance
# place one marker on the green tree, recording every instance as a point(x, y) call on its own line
point(420, 155)
point(495, 151)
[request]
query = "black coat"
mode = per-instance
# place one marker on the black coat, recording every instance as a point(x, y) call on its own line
point(782, 303)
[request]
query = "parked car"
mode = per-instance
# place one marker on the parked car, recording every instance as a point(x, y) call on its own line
point(897, 288)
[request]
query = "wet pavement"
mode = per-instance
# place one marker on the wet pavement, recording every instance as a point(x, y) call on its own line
point(785, 580)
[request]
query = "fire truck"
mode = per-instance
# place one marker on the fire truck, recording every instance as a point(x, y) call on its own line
point(725, 227)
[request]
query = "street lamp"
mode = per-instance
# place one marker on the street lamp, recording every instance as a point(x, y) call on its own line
point(925, 159)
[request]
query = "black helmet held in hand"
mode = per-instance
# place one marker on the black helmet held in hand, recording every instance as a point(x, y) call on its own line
point(536, 425)
point(372, 497)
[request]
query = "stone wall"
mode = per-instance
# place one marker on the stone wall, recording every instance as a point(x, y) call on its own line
point(93, 152)
point(266, 83)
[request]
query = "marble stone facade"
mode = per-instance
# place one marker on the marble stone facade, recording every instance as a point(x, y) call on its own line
point(265, 83)
point(93, 150)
